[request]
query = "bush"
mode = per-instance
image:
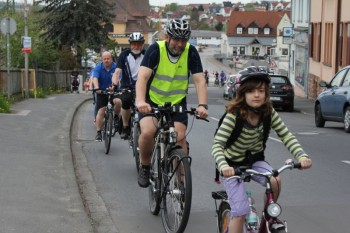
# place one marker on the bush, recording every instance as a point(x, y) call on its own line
point(5, 106)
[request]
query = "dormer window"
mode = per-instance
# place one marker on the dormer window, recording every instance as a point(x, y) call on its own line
point(253, 31)
point(239, 30)
point(266, 31)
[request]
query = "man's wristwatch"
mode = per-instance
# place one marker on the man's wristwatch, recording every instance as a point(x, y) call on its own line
point(203, 105)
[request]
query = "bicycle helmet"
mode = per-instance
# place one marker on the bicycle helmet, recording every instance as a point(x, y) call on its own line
point(179, 29)
point(255, 76)
point(136, 37)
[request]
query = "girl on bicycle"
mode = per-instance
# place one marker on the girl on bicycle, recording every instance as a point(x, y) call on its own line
point(251, 105)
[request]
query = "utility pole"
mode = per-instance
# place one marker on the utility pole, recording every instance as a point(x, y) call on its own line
point(26, 8)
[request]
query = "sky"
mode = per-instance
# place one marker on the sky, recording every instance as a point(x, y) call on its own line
point(185, 2)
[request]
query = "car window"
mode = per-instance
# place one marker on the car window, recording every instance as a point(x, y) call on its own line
point(278, 80)
point(346, 81)
point(336, 81)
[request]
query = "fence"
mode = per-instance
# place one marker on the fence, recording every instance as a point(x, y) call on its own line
point(56, 80)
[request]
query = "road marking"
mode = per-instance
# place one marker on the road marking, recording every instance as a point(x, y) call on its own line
point(213, 118)
point(346, 161)
point(17, 113)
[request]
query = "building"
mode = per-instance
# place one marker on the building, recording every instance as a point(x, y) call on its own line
point(299, 62)
point(329, 48)
point(201, 37)
point(130, 16)
point(258, 34)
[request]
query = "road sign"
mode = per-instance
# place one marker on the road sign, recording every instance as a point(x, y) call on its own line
point(26, 44)
point(8, 25)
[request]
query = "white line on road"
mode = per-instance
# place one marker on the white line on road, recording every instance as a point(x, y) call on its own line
point(346, 161)
point(17, 113)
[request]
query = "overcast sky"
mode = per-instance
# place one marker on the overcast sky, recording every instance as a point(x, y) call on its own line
point(185, 2)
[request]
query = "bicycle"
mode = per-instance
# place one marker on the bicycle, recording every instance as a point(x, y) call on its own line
point(268, 223)
point(170, 189)
point(134, 132)
point(108, 126)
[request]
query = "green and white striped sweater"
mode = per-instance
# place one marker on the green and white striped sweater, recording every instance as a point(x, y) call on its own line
point(251, 138)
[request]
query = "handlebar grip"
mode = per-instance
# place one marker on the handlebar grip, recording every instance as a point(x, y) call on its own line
point(297, 165)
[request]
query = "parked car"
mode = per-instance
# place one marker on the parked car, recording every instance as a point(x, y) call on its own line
point(227, 86)
point(233, 89)
point(89, 64)
point(333, 103)
point(282, 92)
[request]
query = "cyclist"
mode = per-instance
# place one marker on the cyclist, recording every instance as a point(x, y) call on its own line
point(128, 64)
point(102, 79)
point(252, 104)
point(222, 78)
point(163, 77)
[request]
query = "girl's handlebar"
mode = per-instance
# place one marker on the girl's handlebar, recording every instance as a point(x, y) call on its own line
point(243, 172)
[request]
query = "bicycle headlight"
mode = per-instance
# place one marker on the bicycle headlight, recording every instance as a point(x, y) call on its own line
point(274, 210)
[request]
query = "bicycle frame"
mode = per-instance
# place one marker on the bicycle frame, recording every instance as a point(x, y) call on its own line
point(269, 222)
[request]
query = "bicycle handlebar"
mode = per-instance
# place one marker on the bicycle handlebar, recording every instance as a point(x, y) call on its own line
point(177, 109)
point(243, 171)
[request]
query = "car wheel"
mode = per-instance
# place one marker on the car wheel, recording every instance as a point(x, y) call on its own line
point(347, 120)
point(319, 121)
point(289, 108)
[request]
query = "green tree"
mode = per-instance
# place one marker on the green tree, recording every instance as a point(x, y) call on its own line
point(171, 7)
point(44, 53)
point(219, 27)
point(72, 23)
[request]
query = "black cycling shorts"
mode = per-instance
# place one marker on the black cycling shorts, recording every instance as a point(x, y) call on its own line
point(101, 101)
point(126, 98)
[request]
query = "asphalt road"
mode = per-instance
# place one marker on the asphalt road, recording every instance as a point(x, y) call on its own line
point(309, 199)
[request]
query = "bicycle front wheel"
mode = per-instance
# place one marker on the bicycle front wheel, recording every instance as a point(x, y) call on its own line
point(155, 184)
point(177, 198)
point(135, 145)
point(108, 131)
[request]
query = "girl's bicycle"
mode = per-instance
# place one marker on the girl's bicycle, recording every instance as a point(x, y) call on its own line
point(268, 222)
point(170, 189)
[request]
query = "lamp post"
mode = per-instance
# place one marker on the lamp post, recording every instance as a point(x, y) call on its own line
point(26, 54)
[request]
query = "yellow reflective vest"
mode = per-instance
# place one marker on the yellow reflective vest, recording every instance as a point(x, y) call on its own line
point(170, 82)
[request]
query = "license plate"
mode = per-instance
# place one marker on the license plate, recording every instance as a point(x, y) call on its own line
point(275, 98)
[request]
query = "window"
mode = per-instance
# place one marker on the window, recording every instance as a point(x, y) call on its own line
point(344, 45)
point(285, 52)
point(328, 44)
point(336, 81)
point(346, 81)
point(253, 31)
point(315, 41)
point(239, 30)
point(267, 31)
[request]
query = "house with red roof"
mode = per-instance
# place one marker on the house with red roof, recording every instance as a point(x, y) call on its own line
point(256, 34)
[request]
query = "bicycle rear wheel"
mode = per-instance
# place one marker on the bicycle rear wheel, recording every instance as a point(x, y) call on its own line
point(135, 144)
point(155, 184)
point(176, 201)
point(224, 216)
point(108, 131)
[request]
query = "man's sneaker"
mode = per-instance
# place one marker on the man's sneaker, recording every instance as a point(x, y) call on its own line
point(116, 121)
point(125, 133)
point(98, 137)
point(143, 178)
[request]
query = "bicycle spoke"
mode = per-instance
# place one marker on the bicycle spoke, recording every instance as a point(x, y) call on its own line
point(178, 195)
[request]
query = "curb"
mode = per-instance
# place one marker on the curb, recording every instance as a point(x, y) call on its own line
point(93, 202)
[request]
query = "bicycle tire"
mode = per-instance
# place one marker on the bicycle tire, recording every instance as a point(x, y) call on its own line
point(176, 202)
point(280, 230)
point(155, 185)
point(224, 216)
point(135, 145)
point(108, 131)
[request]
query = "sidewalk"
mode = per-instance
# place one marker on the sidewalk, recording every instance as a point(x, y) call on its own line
point(304, 105)
point(39, 191)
